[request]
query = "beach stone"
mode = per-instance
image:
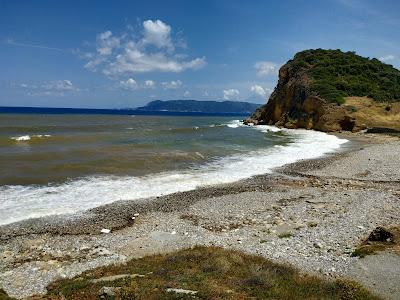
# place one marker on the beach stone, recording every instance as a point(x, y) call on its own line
point(7, 254)
point(107, 291)
point(318, 245)
point(380, 234)
point(115, 277)
point(181, 291)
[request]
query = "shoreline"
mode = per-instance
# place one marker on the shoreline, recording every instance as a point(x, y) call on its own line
point(311, 214)
point(117, 215)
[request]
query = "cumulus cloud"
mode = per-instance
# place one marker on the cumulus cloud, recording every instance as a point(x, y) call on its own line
point(230, 94)
point(186, 94)
point(150, 83)
point(387, 58)
point(129, 84)
point(172, 85)
point(50, 88)
point(153, 50)
point(260, 91)
point(265, 68)
point(157, 33)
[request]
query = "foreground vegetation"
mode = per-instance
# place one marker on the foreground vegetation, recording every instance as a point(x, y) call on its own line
point(385, 239)
point(336, 74)
point(203, 273)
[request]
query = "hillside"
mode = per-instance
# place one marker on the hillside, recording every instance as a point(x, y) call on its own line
point(331, 90)
point(200, 106)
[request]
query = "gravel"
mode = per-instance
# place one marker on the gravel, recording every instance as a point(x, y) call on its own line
point(311, 214)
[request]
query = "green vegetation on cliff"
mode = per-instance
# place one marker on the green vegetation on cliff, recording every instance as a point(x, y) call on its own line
point(335, 74)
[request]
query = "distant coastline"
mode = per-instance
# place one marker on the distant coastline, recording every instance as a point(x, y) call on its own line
point(100, 111)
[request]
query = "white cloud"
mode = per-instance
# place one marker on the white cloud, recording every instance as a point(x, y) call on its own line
point(60, 86)
point(129, 84)
point(50, 88)
point(387, 58)
point(172, 85)
point(186, 94)
point(106, 43)
point(230, 94)
point(260, 91)
point(153, 50)
point(265, 68)
point(150, 84)
point(157, 33)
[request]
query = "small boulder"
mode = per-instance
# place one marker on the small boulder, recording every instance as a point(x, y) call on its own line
point(181, 291)
point(106, 291)
point(380, 234)
point(318, 245)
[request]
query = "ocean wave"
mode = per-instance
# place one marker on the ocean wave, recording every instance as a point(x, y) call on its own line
point(24, 138)
point(23, 202)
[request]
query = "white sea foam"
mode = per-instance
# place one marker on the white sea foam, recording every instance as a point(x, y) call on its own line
point(22, 202)
point(24, 138)
point(21, 138)
point(234, 124)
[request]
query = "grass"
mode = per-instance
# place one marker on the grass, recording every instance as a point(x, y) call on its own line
point(285, 235)
point(364, 250)
point(4, 296)
point(373, 113)
point(372, 247)
point(214, 272)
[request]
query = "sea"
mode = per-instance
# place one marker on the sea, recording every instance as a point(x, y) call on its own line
point(64, 163)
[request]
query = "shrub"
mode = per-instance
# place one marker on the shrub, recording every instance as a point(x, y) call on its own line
point(336, 74)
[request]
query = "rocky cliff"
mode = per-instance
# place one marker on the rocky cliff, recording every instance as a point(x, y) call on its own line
point(329, 90)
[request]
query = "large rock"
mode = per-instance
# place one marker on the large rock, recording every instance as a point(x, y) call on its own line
point(293, 105)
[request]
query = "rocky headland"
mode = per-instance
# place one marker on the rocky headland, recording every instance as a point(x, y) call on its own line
point(331, 90)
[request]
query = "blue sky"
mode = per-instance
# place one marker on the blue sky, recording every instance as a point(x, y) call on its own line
point(115, 54)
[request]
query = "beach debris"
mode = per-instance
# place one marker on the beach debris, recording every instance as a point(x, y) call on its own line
point(105, 230)
point(136, 215)
point(181, 291)
point(173, 232)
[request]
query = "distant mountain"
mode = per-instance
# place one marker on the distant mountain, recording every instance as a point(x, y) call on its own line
point(200, 106)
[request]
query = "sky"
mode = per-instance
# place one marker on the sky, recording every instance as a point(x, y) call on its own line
point(120, 54)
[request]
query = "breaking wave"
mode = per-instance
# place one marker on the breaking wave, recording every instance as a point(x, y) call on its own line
point(23, 202)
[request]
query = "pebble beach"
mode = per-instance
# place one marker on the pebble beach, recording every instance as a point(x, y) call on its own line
point(311, 214)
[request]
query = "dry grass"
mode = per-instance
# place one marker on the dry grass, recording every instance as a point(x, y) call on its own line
point(4, 296)
point(374, 114)
point(372, 247)
point(214, 272)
